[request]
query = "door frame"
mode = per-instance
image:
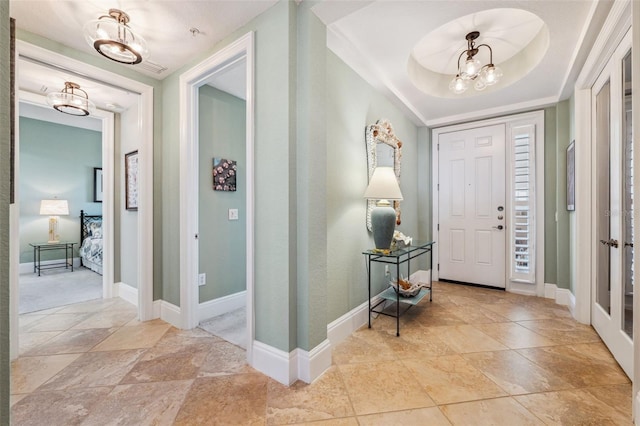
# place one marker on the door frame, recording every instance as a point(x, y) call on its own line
point(510, 121)
point(145, 209)
point(190, 82)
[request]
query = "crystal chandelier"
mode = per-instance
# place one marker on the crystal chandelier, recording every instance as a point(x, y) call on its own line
point(473, 70)
point(71, 100)
point(112, 37)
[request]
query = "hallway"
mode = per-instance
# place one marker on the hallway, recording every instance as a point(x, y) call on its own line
point(472, 356)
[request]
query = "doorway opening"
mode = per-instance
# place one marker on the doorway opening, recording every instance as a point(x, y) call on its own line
point(143, 111)
point(219, 88)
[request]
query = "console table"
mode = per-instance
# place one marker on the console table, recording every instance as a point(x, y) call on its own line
point(38, 248)
point(399, 257)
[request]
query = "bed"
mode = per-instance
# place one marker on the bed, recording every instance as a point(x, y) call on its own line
point(91, 241)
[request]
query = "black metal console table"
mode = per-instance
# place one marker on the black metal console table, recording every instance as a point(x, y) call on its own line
point(38, 248)
point(397, 258)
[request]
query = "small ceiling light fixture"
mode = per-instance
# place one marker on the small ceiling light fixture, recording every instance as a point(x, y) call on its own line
point(71, 100)
point(112, 37)
point(473, 70)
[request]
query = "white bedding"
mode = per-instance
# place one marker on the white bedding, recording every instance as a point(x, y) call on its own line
point(91, 248)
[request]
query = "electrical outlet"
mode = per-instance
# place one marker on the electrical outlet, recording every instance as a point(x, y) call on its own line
point(233, 214)
point(386, 270)
point(202, 279)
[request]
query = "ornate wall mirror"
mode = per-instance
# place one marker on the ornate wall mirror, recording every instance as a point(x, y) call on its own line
point(383, 149)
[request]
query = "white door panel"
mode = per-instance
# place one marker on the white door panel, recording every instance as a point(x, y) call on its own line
point(471, 189)
point(613, 172)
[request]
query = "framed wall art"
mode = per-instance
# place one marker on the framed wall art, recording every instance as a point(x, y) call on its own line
point(571, 176)
point(131, 180)
point(97, 184)
point(224, 174)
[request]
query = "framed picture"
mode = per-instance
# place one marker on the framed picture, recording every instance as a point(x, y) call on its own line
point(571, 176)
point(131, 180)
point(224, 174)
point(97, 184)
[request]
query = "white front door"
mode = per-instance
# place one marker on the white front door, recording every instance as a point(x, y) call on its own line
point(472, 211)
point(612, 295)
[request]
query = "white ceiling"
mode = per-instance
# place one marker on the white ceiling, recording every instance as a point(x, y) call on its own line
point(375, 38)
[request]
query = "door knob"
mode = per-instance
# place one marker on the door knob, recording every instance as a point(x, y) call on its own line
point(499, 227)
point(610, 243)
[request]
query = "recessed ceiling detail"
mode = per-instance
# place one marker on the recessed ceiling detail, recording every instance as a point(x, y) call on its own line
point(519, 40)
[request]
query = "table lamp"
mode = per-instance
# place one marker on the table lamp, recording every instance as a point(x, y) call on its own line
point(54, 208)
point(383, 187)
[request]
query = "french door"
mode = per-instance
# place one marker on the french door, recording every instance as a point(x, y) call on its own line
point(472, 210)
point(612, 289)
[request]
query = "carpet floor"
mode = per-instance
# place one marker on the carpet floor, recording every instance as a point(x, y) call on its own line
point(231, 327)
point(58, 288)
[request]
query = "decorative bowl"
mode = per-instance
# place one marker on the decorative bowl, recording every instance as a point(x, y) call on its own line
point(414, 288)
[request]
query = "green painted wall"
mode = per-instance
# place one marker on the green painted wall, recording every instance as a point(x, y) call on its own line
point(222, 242)
point(425, 186)
point(550, 171)
point(5, 162)
point(352, 104)
point(55, 161)
point(311, 169)
point(563, 139)
point(273, 150)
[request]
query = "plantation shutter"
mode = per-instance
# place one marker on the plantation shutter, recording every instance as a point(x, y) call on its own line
point(523, 199)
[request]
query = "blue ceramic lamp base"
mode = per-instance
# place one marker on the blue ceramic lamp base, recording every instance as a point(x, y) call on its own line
point(383, 223)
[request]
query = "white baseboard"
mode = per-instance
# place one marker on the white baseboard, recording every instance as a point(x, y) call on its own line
point(421, 276)
point(274, 363)
point(167, 312)
point(286, 368)
point(221, 305)
point(126, 292)
point(562, 296)
point(311, 364)
point(550, 291)
point(636, 410)
point(565, 297)
point(343, 327)
point(27, 267)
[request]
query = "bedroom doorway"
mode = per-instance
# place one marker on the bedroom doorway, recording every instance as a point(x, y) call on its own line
point(51, 275)
point(233, 65)
point(142, 295)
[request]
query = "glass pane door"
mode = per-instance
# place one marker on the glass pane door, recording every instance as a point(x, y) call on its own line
point(612, 288)
point(603, 197)
point(627, 200)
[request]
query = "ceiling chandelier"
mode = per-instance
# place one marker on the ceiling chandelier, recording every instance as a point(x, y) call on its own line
point(473, 70)
point(112, 37)
point(71, 100)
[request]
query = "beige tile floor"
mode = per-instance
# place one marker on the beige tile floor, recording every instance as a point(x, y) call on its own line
point(471, 357)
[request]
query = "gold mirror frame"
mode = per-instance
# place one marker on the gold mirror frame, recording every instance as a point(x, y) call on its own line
point(376, 134)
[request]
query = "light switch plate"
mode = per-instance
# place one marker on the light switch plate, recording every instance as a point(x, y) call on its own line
point(233, 214)
point(202, 279)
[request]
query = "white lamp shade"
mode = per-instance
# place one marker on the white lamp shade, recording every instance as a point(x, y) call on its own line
point(383, 185)
point(54, 207)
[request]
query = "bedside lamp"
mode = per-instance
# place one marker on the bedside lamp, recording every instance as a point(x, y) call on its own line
point(383, 187)
point(53, 209)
